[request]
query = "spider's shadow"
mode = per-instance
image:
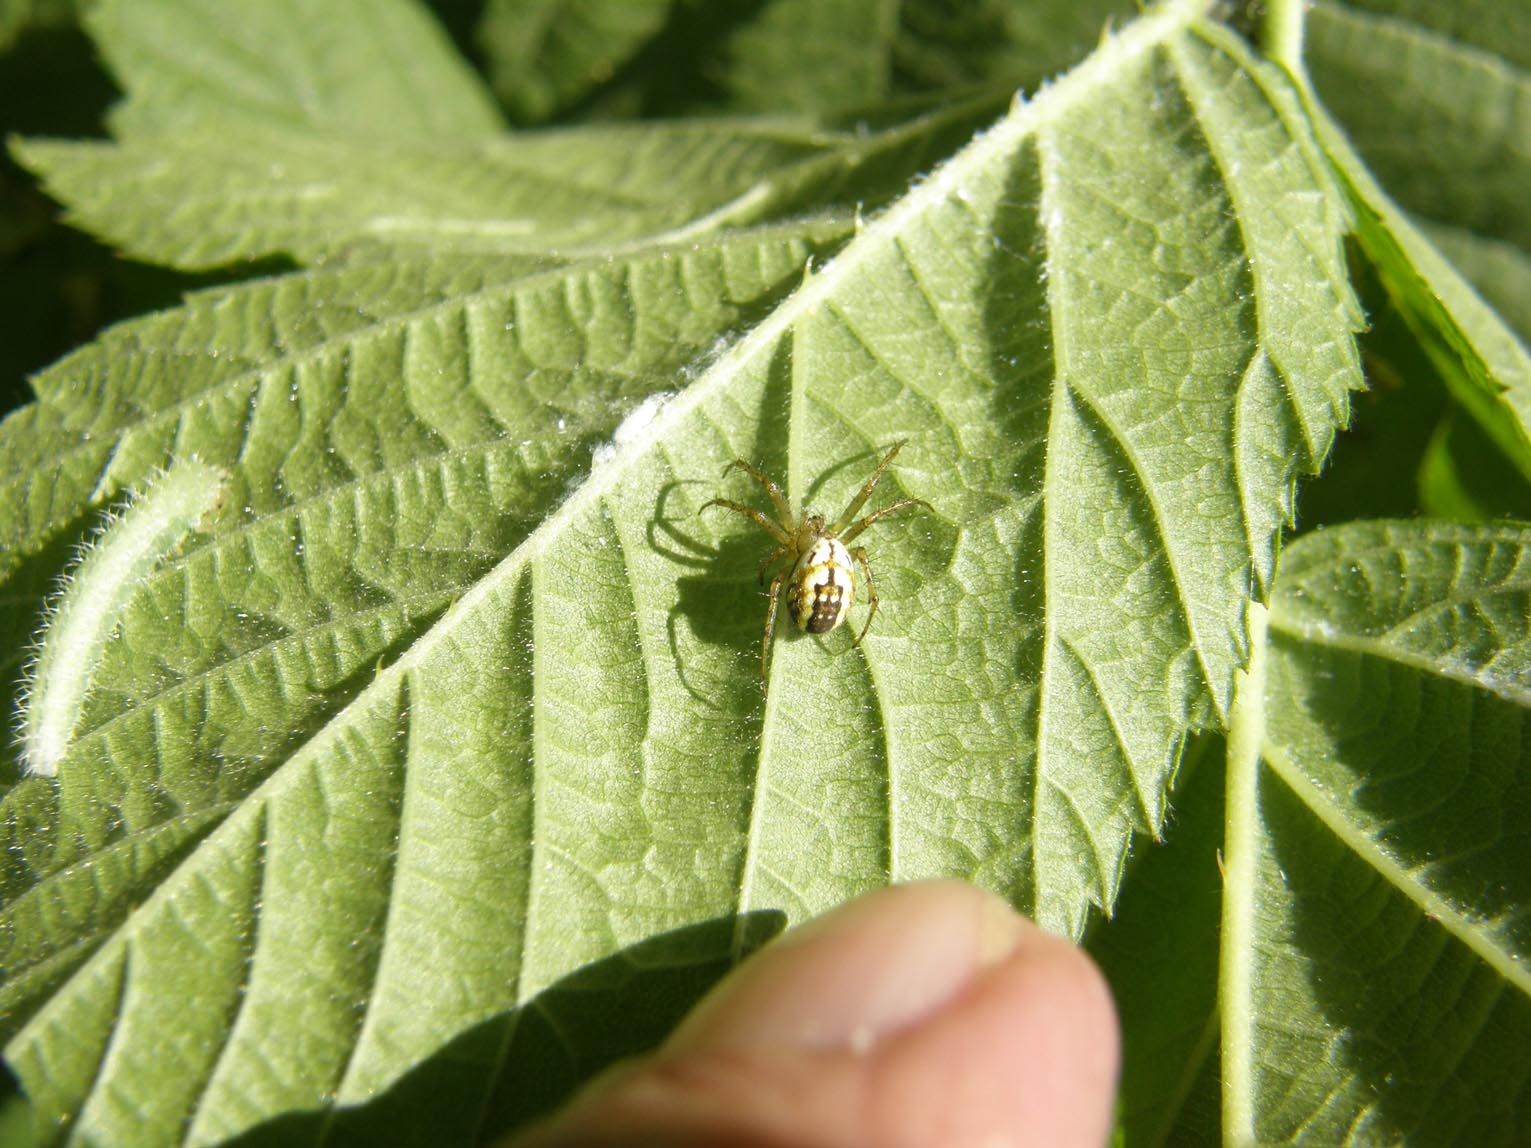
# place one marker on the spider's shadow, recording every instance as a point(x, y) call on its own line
point(722, 603)
point(812, 502)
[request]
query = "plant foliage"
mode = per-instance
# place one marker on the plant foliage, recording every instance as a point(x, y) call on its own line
point(421, 766)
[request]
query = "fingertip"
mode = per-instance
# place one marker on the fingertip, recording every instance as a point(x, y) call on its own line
point(1029, 1053)
point(861, 971)
point(929, 1013)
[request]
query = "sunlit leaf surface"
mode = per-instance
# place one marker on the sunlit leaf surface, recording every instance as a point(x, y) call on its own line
point(457, 701)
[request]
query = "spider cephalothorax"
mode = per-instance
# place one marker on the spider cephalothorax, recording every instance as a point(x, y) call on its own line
point(820, 571)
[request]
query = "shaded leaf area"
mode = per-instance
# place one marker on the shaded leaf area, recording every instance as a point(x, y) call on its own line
point(1484, 367)
point(805, 55)
point(202, 199)
point(1436, 98)
point(1159, 953)
point(1391, 999)
point(1500, 271)
point(621, 58)
point(545, 56)
point(949, 43)
point(534, 1056)
point(1112, 331)
point(55, 284)
point(18, 16)
point(1409, 449)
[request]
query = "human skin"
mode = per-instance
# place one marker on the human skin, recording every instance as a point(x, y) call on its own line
point(924, 1014)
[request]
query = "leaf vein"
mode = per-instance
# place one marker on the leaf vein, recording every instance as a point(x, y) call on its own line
point(250, 939)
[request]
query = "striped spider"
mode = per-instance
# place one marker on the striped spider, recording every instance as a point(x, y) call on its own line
point(820, 575)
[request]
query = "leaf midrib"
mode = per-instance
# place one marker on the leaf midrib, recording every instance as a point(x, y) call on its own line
point(257, 375)
point(1138, 38)
point(1023, 120)
point(1433, 905)
point(1334, 637)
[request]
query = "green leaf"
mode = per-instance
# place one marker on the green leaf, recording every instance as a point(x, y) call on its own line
point(1374, 983)
point(1437, 99)
point(17, 16)
point(1410, 449)
point(950, 43)
point(358, 537)
point(849, 49)
point(203, 199)
point(827, 55)
point(619, 57)
point(1500, 271)
point(1155, 952)
point(378, 68)
point(1469, 107)
point(1462, 476)
point(460, 698)
point(546, 54)
point(1484, 365)
point(224, 181)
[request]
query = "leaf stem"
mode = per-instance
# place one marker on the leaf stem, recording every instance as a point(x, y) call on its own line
point(1246, 732)
point(1281, 33)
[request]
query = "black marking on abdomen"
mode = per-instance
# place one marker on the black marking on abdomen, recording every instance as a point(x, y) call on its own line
point(826, 609)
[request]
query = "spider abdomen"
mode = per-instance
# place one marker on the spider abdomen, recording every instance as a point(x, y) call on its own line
point(822, 587)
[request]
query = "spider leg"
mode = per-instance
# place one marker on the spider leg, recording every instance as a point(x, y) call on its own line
point(901, 504)
point(778, 553)
point(860, 555)
point(778, 499)
point(754, 516)
point(866, 491)
point(770, 630)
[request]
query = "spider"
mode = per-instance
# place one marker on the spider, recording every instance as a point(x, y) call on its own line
point(822, 579)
